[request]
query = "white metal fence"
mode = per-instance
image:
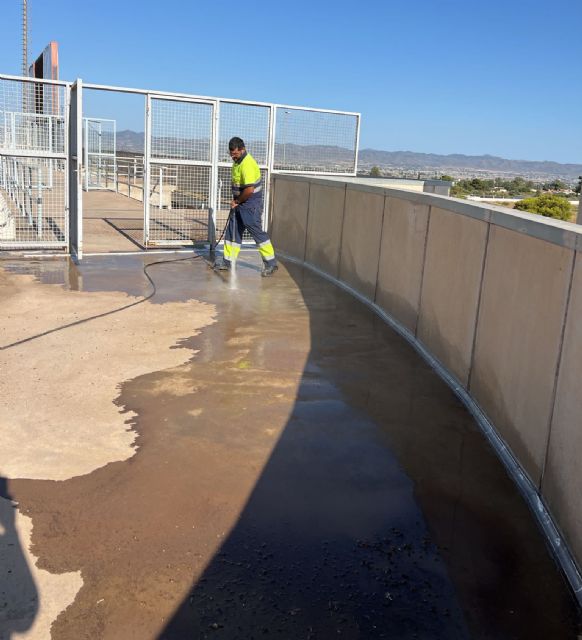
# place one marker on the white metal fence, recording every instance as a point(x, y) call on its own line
point(310, 141)
point(100, 152)
point(33, 163)
point(183, 177)
point(179, 158)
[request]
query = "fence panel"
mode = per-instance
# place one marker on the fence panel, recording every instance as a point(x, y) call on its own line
point(179, 161)
point(33, 164)
point(312, 141)
point(178, 203)
point(100, 153)
point(249, 122)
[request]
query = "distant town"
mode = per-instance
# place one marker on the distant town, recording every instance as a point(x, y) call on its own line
point(423, 166)
point(549, 188)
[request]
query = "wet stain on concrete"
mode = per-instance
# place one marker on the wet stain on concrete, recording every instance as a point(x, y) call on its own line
point(305, 475)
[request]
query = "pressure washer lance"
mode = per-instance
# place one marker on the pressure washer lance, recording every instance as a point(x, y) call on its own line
point(215, 243)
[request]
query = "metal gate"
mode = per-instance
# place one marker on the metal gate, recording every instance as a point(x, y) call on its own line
point(34, 211)
point(179, 154)
point(99, 136)
point(183, 176)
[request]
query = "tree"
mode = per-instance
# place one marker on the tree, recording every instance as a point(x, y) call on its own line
point(457, 191)
point(578, 187)
point(548, 204)
point(555, 185)
point(375, 171)
point(447, 178)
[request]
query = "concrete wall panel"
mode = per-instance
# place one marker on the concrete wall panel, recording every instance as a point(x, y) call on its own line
point(324, 227)
point(450, 290)
point(361, 240)
point(525, 288)
point(401, 260)
point(562, 482)
point(289, 227)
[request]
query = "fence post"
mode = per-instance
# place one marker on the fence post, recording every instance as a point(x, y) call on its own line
point(39, 205)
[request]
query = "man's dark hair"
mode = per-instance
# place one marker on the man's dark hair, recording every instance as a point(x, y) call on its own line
point(236, 143)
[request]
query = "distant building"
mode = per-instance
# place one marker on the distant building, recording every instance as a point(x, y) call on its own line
point(441, 187)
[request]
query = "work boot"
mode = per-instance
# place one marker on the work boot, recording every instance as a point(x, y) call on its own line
point(222, 265)
point(269, 270)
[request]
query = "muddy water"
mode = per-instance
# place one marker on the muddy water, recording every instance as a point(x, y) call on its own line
point(305, 475)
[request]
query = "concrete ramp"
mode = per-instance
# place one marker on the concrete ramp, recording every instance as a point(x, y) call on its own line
point(112, 222)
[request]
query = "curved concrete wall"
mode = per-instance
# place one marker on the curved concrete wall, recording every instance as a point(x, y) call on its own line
point(495, 296)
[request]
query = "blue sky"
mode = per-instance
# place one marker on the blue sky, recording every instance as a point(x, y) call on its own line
point(452, 76)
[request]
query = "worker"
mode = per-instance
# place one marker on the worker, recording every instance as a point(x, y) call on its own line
point(246, 210)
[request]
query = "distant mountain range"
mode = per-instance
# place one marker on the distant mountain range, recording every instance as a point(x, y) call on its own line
point(457, 161)
point(128, 140)
point(132, 142)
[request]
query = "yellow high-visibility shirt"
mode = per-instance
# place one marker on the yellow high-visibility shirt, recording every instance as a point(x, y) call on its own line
point(246, 173)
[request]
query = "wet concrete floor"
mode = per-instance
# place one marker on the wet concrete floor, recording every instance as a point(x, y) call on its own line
point(304, 475)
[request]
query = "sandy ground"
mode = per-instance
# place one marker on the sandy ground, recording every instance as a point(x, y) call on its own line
point(61, 420)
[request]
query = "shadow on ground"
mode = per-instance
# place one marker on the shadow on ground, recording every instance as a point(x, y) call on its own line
point(381, 513)
point(18, 593)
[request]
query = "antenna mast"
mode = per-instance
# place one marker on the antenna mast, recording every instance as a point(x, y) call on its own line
point(24, 38)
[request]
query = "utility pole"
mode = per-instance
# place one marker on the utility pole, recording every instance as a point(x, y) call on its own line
point(24, 38)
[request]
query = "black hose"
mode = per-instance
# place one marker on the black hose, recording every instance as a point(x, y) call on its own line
point(127, 306)
point(106, 313)
point(224, 230)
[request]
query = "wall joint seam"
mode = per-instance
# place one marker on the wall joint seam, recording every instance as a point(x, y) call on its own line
point(478, 310)
point(341, 239)
point(306, 220)
point(380, 248)
point(557, 373)
point(424, 252)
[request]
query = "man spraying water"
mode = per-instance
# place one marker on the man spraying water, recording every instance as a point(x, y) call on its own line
point(246, 210)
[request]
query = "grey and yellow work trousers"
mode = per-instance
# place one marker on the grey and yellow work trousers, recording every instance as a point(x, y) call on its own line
point(248, 217)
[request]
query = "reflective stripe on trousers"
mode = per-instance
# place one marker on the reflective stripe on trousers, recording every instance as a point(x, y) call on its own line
point(248, 218)
point(231, 250)
point(266, 250)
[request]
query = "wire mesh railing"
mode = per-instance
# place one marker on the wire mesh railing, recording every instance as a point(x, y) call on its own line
point(32, 132)
point(183, 177)
point(309, 141)
point(181, 130)
point(179, 201)
point(32, 201)
point(33, 163)
point(249, 122)
point(100, 152)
